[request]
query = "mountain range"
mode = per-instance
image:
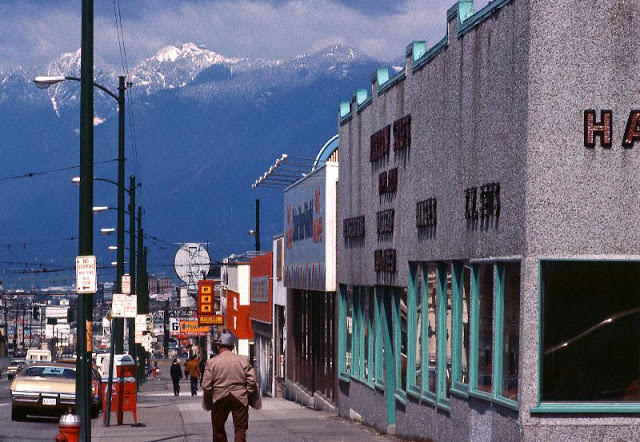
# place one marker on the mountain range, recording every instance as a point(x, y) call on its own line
point(201, 127)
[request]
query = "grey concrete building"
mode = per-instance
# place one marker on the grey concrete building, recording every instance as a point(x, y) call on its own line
point(488, 229)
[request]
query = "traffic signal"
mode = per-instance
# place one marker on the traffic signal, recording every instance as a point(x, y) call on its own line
point(70, 315)
point(36, 313)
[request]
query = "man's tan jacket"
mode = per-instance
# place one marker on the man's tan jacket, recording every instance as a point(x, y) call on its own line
point(229, 373)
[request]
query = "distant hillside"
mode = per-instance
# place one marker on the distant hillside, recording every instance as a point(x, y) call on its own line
point(206, 127)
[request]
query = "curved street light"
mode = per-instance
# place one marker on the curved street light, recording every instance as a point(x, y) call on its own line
point(85, 308)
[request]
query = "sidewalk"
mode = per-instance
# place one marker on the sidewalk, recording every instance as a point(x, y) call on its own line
point(165, 417)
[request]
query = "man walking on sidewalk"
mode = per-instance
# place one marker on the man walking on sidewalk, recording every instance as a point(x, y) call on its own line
point(176, 375)
point(193, 368)
point(230, 380)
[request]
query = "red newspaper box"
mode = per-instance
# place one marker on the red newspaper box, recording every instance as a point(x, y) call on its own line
point(123, 397)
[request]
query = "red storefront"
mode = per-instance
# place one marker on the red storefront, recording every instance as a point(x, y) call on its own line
point(261, 314)
point(238, 322)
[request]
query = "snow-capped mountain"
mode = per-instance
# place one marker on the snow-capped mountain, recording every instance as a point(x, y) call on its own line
point(173, 67)
point(200, 128)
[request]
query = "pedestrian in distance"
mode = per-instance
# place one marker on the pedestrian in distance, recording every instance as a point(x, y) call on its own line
point(193, 368)
point(176, 375)
point(229, 384)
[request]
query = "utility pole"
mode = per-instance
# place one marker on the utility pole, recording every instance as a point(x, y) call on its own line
point(85, 242)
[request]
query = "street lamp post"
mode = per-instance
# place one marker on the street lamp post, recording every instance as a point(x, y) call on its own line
point(85, 242)
point(85, 247)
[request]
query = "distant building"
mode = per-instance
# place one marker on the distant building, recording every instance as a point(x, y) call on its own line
point(164, 286)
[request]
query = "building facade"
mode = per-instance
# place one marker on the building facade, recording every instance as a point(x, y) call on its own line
point(309, 277)
point(279, 294)
point(261, 316)
point(488, 230)
point(235, 289)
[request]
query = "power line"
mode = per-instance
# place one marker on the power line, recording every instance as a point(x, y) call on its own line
point(44, 172)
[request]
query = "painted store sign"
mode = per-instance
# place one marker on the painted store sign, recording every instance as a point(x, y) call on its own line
point(309, 208)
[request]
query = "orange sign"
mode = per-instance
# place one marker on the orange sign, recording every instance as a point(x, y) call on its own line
point(211, 319)
point(205, 297)
point(206, 312)
point(191, 328)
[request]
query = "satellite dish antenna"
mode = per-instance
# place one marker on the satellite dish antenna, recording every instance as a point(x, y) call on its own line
point(192, 263)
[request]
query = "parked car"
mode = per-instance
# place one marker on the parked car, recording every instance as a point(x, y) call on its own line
point(48, 389)
point(14, 366)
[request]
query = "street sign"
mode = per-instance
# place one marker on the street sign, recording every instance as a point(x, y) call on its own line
point(124, 306)
point(126, 284)
point(86, 275)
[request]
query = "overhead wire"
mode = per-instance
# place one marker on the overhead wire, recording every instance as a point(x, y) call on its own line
point(45, 172)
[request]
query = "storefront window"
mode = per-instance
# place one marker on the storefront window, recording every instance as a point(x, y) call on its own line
point(485, 327)
point(432, 298)
point(590, 331)
point(349, 331)
point(369, 358)
point(403, 339)
point(510, 332)
point(448, 328)
point(418, 328)
point(466, 309)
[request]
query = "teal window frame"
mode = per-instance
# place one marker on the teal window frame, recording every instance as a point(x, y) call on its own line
point(379, 378)
point(438, 398)
point(342, 334)
point(498, 330)
point(412, 305)
point(443, 401)
point(400, 393)
point(359, 339)
point(571, 407)
point(459, 388)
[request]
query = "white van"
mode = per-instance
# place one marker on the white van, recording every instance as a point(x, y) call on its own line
point(36, 355)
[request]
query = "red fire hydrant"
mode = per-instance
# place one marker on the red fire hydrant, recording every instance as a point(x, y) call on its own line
point(69, 427)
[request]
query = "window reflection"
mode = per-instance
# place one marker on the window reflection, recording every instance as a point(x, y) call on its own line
point(466, 293)
point(591, 331)
point(349, 330)
point(511, 335)
point(432, 297)
point(448, 319)
point(485, 327)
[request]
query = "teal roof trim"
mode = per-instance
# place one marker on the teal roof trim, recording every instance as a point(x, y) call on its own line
point(345, 109)
point(360, 96)
point(392, 82)
point(469, 21)
point(430, 54)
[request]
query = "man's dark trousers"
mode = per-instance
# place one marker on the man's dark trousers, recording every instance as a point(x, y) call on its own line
point(220, 413)
point(176, 387)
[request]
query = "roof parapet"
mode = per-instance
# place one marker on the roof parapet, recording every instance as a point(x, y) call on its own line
point(467, 19)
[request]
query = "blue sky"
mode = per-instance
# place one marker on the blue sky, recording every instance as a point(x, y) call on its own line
point(33, 32)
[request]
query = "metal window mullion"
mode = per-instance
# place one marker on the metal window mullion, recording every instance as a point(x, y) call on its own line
point(370, 338)
point(425, 327)
point(379, 358)
point(441, 331)
point(498, 327)
point(456, 321)
point(397, 337)
point(342, 329)
point(355, 359)
point(360, 338)
point(411, 330)
point(473, 354)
